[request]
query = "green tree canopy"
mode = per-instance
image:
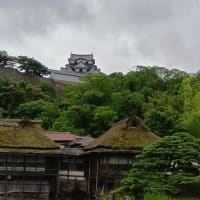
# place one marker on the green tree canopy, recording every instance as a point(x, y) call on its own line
point(11, 96)
point(169, 165)
point(15, 97)
point(5, 59)
point(31, 66)
point(31, 109)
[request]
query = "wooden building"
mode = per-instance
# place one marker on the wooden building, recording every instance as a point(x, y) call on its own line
point(72, 162)
point(29, 160)
point(32, 162)
point(113, 153)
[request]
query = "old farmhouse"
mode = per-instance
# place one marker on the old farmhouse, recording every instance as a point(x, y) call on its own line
point(113, 153)
point(28, 159)
point(31, 161)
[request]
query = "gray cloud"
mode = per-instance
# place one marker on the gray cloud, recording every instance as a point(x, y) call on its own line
point(121, 34)
point(37, 17)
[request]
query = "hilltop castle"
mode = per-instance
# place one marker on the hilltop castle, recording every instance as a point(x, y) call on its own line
point(78, 65)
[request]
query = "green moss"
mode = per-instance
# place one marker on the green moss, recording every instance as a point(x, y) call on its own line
point(29, 150)
point(28, 139)
point(122, 137)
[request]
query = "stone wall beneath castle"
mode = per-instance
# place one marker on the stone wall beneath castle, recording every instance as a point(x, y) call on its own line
point(64, 77)
point(12, 74)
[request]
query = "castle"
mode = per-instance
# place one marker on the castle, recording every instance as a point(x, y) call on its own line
point(78, 66)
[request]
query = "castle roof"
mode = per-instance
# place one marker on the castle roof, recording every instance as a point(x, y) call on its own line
point(81, 56)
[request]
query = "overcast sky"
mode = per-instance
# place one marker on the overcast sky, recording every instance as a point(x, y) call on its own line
point(120, 33)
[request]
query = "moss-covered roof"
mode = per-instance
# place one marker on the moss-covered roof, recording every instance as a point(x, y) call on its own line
point(123, 136)
point(24, 136)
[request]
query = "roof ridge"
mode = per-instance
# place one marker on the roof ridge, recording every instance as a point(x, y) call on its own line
point(90, 54)
point(22, 147)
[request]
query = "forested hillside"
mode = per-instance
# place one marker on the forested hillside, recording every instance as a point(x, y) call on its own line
point(166, 101)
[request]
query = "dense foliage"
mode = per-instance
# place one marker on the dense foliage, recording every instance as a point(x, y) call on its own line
point(170, 165)
point(24, 100)
point(5, 59)
point(156, 95)
point(166, 101)
point(24, 64)
point(31, 66)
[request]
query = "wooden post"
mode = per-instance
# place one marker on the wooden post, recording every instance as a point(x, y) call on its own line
point(106, 184)
point(23, 174)
point(58, 179)
point(6, 181)
point(97, 176)
point(89, 180)
point(6, 175)
point(40, 186)
point(68, 163)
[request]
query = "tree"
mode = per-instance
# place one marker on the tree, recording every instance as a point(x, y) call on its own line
point(162, 120)
point(1, 112)
point(143, 77)
point(48, 89)
point(161, 114)
point(85, 119)
point(5, 59)
point(50, 112)
point(168, 166)
point(11, 96)
point(134, 104)
point(190, 96)
point(96, 89)
point(103, 119)
point(31, 66)
point(34, 92)
point(31, 109)
point(76, 119)
point(192, 123)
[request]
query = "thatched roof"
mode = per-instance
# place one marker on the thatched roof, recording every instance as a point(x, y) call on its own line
point(24, 136)
point(124, 135)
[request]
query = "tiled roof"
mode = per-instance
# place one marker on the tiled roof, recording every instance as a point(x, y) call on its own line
point(79, 56)
point(83, 141)
point(62, 137)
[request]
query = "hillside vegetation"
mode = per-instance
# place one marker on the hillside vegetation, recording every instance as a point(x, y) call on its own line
point(166, 101)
